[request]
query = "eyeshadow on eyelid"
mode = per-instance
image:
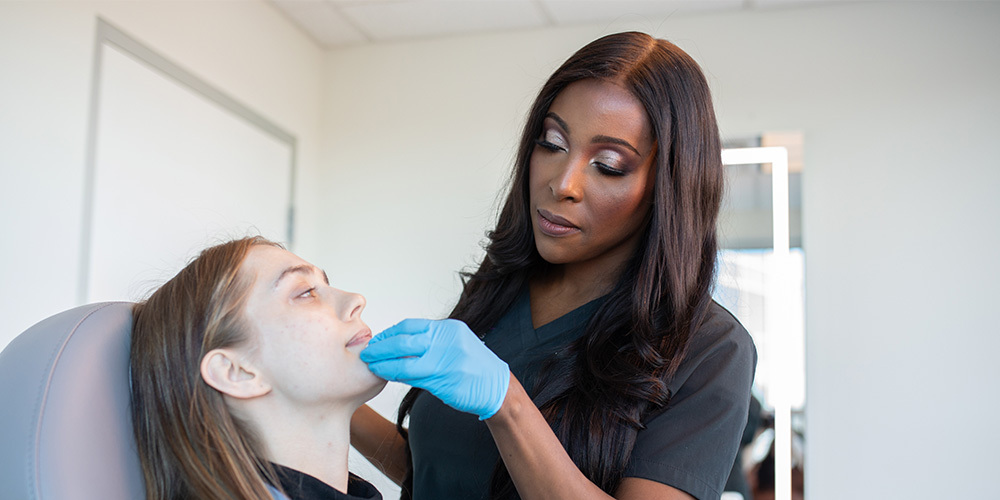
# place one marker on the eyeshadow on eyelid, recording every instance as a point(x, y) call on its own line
point(553, 136)
point(614, 163)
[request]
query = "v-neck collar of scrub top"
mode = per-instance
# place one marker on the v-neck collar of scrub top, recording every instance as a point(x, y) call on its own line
point(557, 328)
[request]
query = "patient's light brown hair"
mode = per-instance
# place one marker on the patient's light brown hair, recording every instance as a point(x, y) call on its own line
point(190, 445)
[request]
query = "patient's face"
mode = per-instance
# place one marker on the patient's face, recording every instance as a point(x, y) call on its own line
point(307, 333)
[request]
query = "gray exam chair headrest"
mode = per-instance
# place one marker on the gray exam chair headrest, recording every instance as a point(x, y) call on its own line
point(65, 428)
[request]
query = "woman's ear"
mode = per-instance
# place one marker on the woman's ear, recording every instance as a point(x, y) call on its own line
point(227, 372)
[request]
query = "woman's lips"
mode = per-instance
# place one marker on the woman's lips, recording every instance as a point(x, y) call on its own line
point(554, 225)
point(361, 337)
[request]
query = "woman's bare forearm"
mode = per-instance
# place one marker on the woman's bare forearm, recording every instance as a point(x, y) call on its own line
point(378, 440)
point(539, 465)
point(535, 458)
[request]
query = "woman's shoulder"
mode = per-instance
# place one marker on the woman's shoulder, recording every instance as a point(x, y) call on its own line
point(720, 349)
point(690, 443)
point(721, 328)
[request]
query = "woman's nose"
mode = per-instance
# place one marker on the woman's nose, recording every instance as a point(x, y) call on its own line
point(567, 184)
point(350, 305)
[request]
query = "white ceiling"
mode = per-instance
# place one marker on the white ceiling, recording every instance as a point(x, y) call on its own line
point(338, 23)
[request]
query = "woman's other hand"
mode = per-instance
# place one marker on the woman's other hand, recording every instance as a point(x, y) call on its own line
point(445, 358)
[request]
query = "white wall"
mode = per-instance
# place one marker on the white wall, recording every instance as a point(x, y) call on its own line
point(246, 49)
point(900, 108)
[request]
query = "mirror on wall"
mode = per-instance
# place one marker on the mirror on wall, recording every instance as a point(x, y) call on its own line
point(761, 281)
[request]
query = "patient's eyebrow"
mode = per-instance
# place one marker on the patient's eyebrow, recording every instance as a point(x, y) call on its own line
point(300, 269)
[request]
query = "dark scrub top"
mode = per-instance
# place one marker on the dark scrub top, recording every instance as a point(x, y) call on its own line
point(301, 486)
point(690, 445)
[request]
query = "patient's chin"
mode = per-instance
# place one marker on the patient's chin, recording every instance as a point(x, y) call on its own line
point(375, 389)
point(368, 387)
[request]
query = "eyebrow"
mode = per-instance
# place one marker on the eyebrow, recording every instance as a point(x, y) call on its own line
point(614, 140)
point(558, 119)
point(599, 139)
point(300, 269)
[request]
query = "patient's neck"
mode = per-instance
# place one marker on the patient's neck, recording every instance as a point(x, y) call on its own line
point(315, 441)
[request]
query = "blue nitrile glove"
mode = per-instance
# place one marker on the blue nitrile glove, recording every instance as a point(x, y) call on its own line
point(445, 358)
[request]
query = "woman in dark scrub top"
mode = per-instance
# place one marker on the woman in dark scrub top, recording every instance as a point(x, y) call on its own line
point(605, 369)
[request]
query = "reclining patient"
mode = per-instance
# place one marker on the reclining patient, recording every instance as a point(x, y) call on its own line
point(245, 374)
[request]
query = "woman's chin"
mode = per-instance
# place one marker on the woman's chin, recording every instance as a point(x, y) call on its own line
point(370, 387)
point(377, 387)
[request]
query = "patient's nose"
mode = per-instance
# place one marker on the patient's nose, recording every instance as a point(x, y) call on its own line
point(351, 305)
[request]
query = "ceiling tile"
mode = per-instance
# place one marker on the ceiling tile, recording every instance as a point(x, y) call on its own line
point(784, 3)
point(422, 18)
point(322, 21)
point(569, 12)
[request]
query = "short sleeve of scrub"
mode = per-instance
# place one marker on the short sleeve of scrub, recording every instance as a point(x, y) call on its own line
point(692, 444)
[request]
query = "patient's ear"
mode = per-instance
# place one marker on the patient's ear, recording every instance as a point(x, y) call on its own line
point(229, 373)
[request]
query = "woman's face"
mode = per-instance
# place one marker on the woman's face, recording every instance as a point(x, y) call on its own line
point(591, 175)
point(307, 334)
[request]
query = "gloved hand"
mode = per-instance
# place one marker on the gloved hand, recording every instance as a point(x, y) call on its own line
point(445, 358)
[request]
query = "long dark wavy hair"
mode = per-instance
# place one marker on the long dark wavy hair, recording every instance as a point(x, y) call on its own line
point(596, 393)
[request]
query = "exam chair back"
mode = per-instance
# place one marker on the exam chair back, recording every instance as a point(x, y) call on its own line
point(65, 428)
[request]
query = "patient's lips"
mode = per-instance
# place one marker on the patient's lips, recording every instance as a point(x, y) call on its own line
point(361, 338)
